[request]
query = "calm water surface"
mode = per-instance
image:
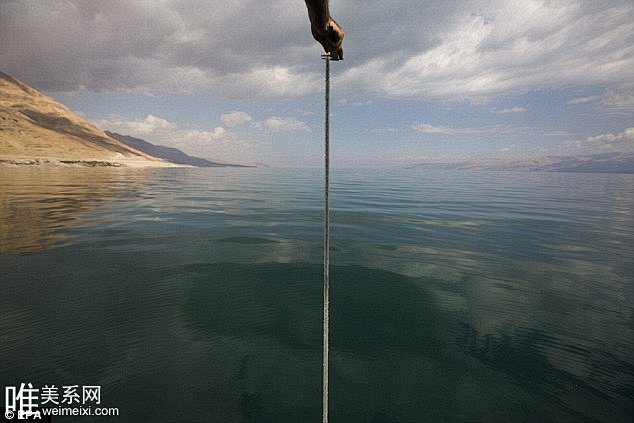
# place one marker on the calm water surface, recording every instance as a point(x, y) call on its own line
point(194, 295)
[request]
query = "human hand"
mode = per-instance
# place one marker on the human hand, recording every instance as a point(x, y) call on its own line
point(330, 39)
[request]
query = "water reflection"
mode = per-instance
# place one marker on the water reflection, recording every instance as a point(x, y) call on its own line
point(498, 298)
point(231, 342)
point(41, 207)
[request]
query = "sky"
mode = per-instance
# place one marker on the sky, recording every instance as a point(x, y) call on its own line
point(422, 81)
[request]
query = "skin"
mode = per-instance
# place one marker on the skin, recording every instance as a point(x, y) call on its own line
point(320, 20)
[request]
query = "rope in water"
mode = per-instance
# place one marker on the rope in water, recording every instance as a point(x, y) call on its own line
point(326, 244)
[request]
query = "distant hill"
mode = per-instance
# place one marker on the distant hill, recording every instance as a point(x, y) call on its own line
point(170, 154)
point(593, 163)
point(36, 129)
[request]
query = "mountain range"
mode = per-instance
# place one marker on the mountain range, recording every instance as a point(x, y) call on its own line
point(37, 130)
point(171, 154)
point(591, 163)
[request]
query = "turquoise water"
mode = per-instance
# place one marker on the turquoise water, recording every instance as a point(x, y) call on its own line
point(194, 295)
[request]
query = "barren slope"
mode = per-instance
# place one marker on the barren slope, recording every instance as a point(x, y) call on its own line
point(34, 127)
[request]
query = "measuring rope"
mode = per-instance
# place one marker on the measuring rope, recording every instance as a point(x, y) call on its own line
point(328, 57)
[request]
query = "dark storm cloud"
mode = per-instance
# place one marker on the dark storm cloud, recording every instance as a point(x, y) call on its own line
point(148, 45)
point(245, 48)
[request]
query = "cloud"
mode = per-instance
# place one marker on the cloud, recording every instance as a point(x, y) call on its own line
point(571, 144)
point(281, 124)
point(584, 100)
point(218, 134)
point(267, 81)
point(560, 133)
point(508, 46)
point(621, 101)
point(235, 118)
point(177, 46)
point(356, 103)
point(507, 149)
point(613, 101)
point(141, 127)
point(217, 143)
point(427, 128)
point(515, 109)
point(249, 48)
point(384, 130)
point(626, 136)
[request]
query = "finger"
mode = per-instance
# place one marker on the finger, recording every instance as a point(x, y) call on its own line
point(340, 53)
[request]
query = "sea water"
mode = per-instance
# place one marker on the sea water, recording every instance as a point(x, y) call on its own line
point(194, 295)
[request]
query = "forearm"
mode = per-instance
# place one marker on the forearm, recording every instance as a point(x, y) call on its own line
point(318, 13)
point(324, 29)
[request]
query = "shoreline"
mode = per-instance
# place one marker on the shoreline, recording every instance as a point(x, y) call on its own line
point(83, 163)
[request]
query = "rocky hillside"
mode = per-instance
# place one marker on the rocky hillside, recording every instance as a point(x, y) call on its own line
point(36, 129)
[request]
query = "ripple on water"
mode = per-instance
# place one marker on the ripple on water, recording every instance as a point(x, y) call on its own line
point(456, 295)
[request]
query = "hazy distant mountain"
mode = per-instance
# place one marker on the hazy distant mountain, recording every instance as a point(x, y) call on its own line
point(593, 163)
point(36, 129)
point(170, 154)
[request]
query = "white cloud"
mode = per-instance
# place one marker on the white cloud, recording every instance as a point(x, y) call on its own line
point(194, 135)
point(282, 124)
point(571, 144)
point(217, 143)
point(560, 133)
point(268, 81)
point(235, 118)
point(304, 112)
point(584, 100)
point(626, 136)
point(515, 109)
point(621, 101)
point(507, 149)
point(427, 128)
point(384, 130)
point(616, 101)
point(141, 127)
point(510, 46)
point(356, 103)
